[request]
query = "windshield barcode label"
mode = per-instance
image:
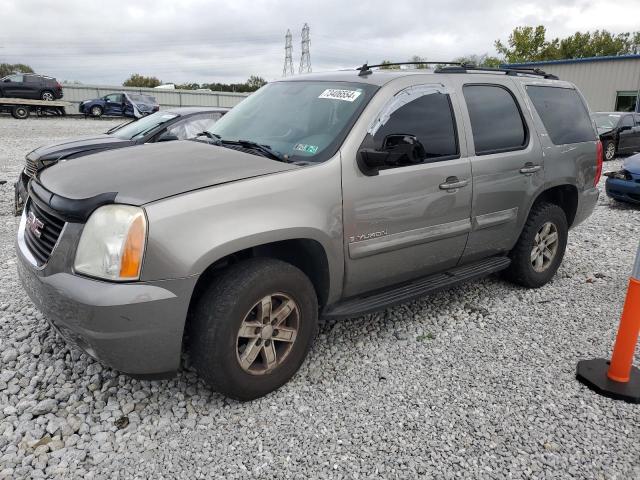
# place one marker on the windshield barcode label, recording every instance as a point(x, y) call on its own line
point(336, 94)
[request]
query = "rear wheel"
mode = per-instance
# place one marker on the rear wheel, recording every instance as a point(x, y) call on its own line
point(96, 111)
point(47, 95)
point(540, 248)
point(609, 150)
point(253, 327)
point(20, 112)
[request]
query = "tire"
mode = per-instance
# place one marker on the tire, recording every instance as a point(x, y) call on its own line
point(47, 95)
point(223, 323)
point(20, 112)
point(609, 150)
point(524, 269)
point(96, 111)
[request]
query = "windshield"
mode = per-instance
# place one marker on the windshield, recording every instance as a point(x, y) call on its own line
point(132, 130)
point(606, 121)
point(303, 120)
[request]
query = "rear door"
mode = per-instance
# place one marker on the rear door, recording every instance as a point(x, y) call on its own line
point(627, 134)
point(507, 163)
point(32, 86)
point(409, 220)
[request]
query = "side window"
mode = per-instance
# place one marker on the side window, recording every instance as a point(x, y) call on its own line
point(637, 119)
point(563, 113)
point(496, 121)
point(429, 118)
point(627, 121)
point(31, 79)
point(190, 127)
point(112, 98)
point(15, 78)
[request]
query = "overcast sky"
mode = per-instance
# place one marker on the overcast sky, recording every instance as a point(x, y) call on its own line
point(209, 40)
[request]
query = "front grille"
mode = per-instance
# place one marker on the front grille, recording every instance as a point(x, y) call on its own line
point(41, 246)
point(31, 168)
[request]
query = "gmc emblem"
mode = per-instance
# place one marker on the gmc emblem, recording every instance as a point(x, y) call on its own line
point(34, 224)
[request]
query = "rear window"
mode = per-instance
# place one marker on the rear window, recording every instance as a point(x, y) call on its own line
point(564, 115)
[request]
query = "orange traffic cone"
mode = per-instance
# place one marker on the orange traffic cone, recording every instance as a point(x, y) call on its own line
point(619, 379)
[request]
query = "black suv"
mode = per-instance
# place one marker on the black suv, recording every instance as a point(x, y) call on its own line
point(30, 85)
point(619, 132)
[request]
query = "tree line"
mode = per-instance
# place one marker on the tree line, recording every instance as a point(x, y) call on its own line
point(252, 84)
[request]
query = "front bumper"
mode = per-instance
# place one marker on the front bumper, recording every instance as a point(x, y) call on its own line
point(624, 190)
point(135, 328)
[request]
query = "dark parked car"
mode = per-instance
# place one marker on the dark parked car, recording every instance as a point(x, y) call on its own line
point(30, 85)
point(121, 104)
point(175, 124)
point(619, 132)
point(624, 185)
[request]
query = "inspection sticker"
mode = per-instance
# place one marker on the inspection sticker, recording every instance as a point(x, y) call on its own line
point(337, 94)
point(312, 149)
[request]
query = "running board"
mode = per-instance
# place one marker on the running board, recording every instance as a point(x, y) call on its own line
point(417, 288)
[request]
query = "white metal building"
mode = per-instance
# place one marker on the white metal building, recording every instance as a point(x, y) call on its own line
point(608, 83)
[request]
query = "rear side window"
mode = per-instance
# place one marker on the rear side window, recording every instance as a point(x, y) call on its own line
point(430, 119)
point(31, 79)
point(496, 121)
point(564, 115)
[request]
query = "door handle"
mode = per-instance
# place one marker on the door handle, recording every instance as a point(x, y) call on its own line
point(453, 183)
point(530, 168)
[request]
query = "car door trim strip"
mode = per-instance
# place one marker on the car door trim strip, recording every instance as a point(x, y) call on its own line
point(495, 218)
point(396, 241)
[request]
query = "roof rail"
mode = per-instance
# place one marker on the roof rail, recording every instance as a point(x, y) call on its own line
point(366, 69)
point(464, 68)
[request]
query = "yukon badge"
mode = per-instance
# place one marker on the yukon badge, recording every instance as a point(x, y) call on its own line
point(367, 236)
point(34, 224)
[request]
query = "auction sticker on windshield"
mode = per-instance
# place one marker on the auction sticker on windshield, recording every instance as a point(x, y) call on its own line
point(301, 147)
point(338, 94)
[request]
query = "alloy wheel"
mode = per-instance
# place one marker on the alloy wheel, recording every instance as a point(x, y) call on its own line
point(48, 96)
point(267, 334)
point(610, 152)
point(545, 247)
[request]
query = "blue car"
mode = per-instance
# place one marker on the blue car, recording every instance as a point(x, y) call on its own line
point(624, 185)
point(122, 104)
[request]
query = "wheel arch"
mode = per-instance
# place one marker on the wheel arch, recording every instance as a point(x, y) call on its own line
point(564, 195)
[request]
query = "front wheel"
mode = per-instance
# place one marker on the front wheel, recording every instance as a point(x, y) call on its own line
point(20, 112)
point(252, 327)
point(540, 248)
point(96, 111)
point(609, 150)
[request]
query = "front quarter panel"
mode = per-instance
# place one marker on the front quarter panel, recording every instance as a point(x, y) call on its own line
point(189, 232)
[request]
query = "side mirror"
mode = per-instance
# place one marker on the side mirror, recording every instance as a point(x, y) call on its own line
point(397, 150)
point(167, 137)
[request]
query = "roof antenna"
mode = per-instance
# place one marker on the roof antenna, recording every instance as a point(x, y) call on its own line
point(364, 70)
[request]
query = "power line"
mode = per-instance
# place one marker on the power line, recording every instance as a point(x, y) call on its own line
point(305, 57)
point(288, 55)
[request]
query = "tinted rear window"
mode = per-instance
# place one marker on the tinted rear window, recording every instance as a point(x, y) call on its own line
point(496, 122)
point(563, 114)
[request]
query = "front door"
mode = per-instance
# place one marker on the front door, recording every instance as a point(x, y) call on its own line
point(114, 104)
point(13, 86)
point(412, 217)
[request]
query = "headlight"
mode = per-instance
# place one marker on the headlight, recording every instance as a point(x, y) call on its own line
point(112, 243)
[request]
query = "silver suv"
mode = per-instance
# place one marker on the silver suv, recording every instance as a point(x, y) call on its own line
point(324, 195)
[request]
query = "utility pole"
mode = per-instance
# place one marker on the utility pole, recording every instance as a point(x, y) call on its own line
point(305, 57)
point(288, 55)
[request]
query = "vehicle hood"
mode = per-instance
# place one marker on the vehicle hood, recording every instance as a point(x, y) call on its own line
point(77, 145)
point(632, 164)
point(154, 171)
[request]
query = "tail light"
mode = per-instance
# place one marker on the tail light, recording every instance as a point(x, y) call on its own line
point(599, 158)
point(58, 86)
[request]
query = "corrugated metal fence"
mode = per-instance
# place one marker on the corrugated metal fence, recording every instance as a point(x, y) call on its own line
point(166, 98)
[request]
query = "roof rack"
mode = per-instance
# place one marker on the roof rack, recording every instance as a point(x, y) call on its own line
point(458, 67)
point(366, 69)
point(464, 68)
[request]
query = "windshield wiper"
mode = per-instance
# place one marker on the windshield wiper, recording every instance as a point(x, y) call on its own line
point(213, 136)
point(266, 149)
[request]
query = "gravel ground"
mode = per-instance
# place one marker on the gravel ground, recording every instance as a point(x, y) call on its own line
point(475, 382)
